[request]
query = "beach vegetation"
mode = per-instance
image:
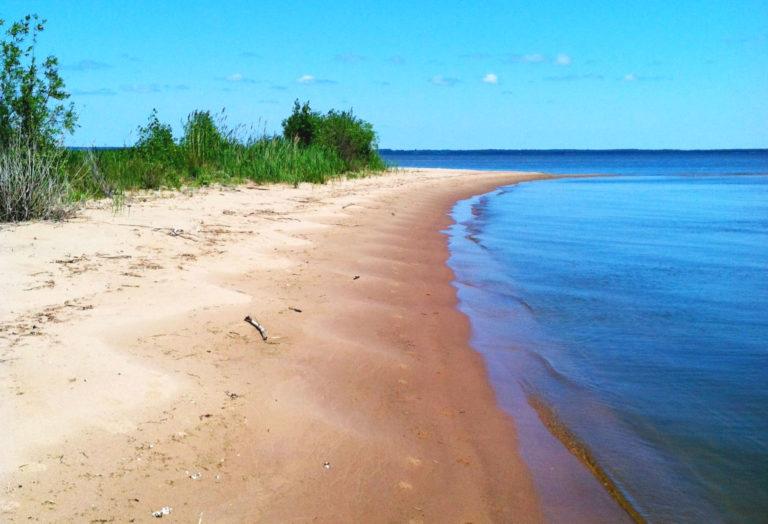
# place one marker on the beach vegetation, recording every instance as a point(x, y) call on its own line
point(32, 183)
point(352, 138)
point(302, 125)
point(40, 178)
point(34, 118)
point(33, 98)
point(209, 152)
point(348, 136)
point(203, 141)
point(156, 140)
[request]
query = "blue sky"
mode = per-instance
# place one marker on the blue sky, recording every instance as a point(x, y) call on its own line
point(547, 74)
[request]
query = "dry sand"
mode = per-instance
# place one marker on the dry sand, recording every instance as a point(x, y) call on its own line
point(130, 381)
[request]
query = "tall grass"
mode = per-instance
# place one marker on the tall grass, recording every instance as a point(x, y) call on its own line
point(97, 173)
point(211, 152)
point(39, 184)
point(32, 184)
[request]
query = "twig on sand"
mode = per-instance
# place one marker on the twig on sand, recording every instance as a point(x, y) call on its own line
point(262, 331)
point(112, 256)
point(297, 310)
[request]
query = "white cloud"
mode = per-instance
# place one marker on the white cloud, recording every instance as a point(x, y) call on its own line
point(440, 80)
point(631, 77)
point(491, 78)
point(563, 59)
point(533, 58)
point(311, 79)
point(241, 78)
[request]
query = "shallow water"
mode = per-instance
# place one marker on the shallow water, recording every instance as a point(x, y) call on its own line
point(636, 308)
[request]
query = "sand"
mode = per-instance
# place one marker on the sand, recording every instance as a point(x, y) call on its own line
point(131, 382)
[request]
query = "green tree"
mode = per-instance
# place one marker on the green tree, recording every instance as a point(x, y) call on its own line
point(32, 93)
point(302, 125)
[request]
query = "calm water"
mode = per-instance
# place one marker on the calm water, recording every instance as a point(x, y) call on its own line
point(636, 307)
point(629, 162)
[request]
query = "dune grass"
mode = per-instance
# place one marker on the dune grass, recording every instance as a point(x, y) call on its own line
point(32, 184)
point(209, 152)
point(43, 182)
point(104, 172)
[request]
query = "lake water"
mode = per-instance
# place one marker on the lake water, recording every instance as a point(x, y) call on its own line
point(635, 309)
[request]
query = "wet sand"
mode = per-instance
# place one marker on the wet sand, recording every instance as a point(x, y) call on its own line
point(130, 381)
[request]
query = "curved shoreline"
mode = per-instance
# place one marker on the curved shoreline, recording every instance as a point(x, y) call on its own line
point(571, 488)
point(184, 405)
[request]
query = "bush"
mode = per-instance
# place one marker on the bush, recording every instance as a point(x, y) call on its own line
point(32, 184)
point(203, 141)
point(155, 157)
point(352, 138)
point(349, 137)
point(155, 140)
point(301, 127)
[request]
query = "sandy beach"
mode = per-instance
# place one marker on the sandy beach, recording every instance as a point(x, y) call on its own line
point(131, 382)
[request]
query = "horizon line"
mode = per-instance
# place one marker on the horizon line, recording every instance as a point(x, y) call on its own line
point(526, 150)
point(575, 150)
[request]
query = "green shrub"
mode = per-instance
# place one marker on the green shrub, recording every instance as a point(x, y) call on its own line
point(352, 138)
point(155, 141)
point(301, 127)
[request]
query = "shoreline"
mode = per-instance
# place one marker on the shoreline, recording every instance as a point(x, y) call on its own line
point(368, 390)
point(571, 486)
point(580, 451)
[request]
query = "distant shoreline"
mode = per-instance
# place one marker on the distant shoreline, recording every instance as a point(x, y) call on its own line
point(506, 151)
point(527, 151)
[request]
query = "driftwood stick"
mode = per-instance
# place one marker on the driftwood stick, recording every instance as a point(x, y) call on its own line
point(112, 256)
point(262, 331)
